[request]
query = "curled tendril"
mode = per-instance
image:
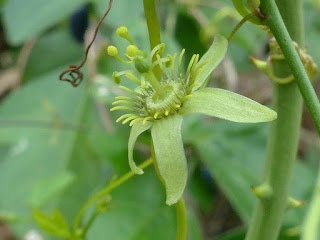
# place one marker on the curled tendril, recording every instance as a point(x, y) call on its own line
point(75, 75)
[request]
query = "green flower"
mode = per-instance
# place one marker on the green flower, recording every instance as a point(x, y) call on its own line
point(161, 105)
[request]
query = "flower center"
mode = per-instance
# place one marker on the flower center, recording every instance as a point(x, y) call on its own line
point(158, 107)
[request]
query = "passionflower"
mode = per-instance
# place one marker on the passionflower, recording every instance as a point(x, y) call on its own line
point(161, 105)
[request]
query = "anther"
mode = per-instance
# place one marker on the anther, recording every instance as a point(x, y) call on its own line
point(132, 51)
point(124, 33)
point(113, 52)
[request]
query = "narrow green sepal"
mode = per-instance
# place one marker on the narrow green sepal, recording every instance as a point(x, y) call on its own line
point(263, 192)
point(211, 59)
point(227, 105)
point(170, 156)
point(136, 130)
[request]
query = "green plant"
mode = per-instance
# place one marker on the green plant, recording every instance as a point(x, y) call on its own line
point(163, 90)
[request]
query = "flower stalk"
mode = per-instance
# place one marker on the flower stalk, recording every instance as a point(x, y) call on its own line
point(284, 132)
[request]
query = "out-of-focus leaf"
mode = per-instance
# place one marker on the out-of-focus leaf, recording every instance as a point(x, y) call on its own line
point(40, 148)
point(122, 13)
point(49, 188)
point(55, 224)
point(24, 19)
point(53, 50)
point(139, 212)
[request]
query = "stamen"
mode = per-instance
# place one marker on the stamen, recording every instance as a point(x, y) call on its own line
point(124, 33)
point(113, 52)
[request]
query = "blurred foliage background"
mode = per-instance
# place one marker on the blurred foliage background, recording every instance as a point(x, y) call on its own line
point(59, 144)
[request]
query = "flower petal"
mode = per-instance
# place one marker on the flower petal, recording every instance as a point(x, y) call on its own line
point(211, 59)
point(170, 156)
point(136, 130)
point(227, 105)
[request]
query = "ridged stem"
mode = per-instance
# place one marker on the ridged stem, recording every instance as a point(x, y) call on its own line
point(284, 132)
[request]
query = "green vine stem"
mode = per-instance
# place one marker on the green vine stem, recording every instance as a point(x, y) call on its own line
point(154, 36)
point(105, 192)
point(311, 226)
point(181, 219)
point(284, 132)
point(153, 29)
point(276, 24)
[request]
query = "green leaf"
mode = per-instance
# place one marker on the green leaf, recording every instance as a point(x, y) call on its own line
point(211, 59)
point(26, 19)
point(136, 130)
point(49, 188)
point(55, 224)
point(227, 105)
point(40, 150)
point(170, 156)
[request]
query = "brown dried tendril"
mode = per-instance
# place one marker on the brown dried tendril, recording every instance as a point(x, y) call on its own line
point(75, 74)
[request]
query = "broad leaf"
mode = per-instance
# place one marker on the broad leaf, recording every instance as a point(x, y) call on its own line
point(227, 105)
point(170, 156)
point(24, 19)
